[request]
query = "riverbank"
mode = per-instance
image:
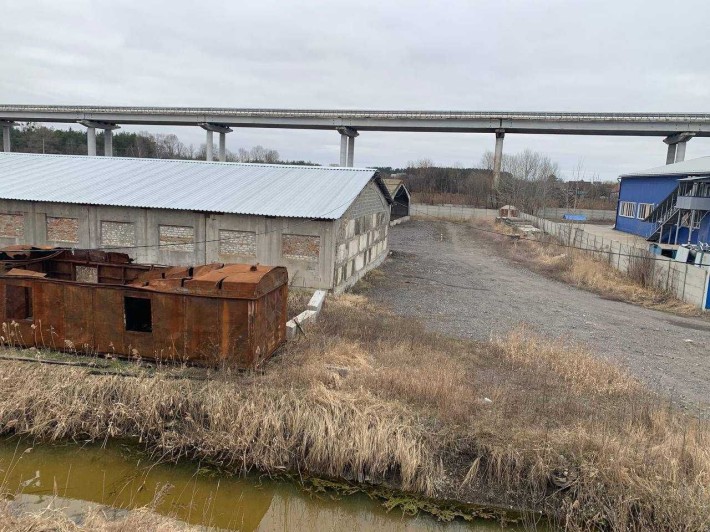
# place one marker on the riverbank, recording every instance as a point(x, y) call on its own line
point(370, 397)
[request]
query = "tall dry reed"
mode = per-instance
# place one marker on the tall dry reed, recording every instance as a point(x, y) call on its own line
point(372, 397)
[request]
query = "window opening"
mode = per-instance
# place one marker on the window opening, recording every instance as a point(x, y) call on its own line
point(138, 314)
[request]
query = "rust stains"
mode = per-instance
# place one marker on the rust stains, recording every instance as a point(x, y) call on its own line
point(92, 301)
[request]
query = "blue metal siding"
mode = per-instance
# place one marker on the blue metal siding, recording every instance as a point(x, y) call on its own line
point(703, 234)
point(642, 190)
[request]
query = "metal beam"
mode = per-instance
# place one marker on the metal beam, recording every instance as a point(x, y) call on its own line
point(629, 124)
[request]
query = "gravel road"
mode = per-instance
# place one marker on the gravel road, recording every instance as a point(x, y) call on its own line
point(454, 278)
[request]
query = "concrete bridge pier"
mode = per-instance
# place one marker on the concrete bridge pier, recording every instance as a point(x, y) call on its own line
point(91, 140)
point(108, 142)
point(91, 126)
point(347, 145)
point(210, 130)
point(498, 157)
point(6, 130)
point(209, 143)
point(343, 149)
point(676, 146)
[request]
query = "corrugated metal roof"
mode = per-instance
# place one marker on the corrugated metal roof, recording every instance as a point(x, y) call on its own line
point(239, 188)
point(392, 184)
point(684, 168)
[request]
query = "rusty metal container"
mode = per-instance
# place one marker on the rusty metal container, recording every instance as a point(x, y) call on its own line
point(91, 301)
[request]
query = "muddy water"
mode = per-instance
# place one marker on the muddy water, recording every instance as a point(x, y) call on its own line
point(120, 477)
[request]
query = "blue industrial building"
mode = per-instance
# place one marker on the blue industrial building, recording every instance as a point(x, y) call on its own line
point(669, 204)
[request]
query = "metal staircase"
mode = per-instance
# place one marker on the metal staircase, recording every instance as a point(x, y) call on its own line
point(663, 214)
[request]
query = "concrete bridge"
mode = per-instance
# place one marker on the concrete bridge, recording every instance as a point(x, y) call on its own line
point(676, 128)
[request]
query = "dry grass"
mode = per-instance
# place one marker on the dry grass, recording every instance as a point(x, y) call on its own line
point(372, 397)
point(589, 270)
point(55, 520)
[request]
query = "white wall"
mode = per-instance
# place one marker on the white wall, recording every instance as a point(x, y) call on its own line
point(686, 281)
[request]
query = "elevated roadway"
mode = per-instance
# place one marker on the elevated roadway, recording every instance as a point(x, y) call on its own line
point(677, 128)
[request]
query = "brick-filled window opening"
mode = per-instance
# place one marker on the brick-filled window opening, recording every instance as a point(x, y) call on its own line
point(18, 302)
point(301, 247)
point(237, 243)
point(12, 225)
point(118, 234)
point(176, 238)
point(63, 229)
point(627, 209)
point(138, 314)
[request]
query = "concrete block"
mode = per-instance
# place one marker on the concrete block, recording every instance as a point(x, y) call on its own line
point(363, 241)
point(316, 302)
point(359, 262)
point(306, 318)
point(352, 248)
point(342, 253)
point(291, 329)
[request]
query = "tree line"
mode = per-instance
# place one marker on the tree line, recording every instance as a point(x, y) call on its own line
point(529, 180)
point(34, 138)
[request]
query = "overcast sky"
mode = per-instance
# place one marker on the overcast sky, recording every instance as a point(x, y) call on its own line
point(517, 55)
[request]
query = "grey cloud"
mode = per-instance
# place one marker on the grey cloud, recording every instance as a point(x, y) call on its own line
point(515, 55)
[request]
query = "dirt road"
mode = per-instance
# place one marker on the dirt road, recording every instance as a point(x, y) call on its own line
point(454, 278)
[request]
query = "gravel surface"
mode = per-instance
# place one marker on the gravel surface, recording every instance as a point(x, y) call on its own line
point(454, 278)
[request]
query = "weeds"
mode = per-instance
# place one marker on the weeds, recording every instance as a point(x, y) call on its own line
point(590, 270)
point(374, 398)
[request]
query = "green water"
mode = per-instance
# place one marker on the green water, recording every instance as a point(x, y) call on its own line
point(120, 477)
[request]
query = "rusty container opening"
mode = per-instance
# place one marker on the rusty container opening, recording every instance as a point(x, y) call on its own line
point(92, 301)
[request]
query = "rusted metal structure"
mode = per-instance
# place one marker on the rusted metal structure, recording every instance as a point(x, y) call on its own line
point(93, 301)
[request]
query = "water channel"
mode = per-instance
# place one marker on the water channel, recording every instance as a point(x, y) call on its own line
point(121, 477)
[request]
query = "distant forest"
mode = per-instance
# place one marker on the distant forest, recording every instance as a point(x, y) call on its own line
point(529, 180)
point(32, 138)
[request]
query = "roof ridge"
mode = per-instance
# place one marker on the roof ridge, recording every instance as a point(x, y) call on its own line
point(189, 161)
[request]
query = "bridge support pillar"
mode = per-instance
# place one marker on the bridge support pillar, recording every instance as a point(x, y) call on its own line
point(676, 146)
point(6, 131)
point(91, 126)
point(498, 157)
point(343, 149)
point(108, 142)
point(351, 151)
point(347, 145)
point(91, 141)
point(215, 128)
point(209, 145)
point(222, 156)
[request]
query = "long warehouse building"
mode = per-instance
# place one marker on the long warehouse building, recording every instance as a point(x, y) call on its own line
point(327, 225)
